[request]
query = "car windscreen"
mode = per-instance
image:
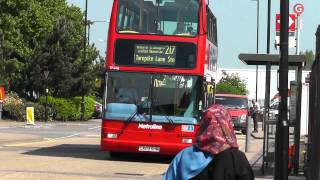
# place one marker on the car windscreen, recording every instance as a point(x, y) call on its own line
point(232, 102)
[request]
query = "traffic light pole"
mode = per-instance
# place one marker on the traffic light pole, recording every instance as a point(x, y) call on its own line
point(282, 133)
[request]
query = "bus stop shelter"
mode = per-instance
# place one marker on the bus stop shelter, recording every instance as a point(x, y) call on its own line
point(268, 60)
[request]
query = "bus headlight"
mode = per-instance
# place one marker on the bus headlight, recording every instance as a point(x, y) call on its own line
point(243, 118)
point(112, 135)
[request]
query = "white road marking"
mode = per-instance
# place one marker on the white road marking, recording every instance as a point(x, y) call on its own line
point(69, 136)
point(46, 140)
point(97, 127)
point(93, 135)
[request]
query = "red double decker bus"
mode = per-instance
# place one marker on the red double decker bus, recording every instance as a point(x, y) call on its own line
point(160, 73)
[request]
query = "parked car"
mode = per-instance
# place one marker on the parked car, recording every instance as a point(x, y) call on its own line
point(97, 110)
point(237, 106)
point(273, 110)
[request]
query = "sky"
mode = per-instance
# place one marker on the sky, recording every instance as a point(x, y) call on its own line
point(237, 25)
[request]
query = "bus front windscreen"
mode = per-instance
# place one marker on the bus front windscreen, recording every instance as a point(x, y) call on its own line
point(151, 97)
point(165, 17)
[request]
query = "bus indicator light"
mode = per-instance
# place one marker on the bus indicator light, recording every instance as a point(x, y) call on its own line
point(112, 136)
point(187, 140)
point(187, 128)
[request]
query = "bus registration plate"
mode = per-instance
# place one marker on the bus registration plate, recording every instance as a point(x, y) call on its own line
point(149, 148)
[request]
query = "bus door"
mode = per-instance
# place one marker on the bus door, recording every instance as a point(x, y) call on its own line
point(208, 93)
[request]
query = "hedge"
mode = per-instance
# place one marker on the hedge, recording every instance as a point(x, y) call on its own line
point(69, 109)
point(60, 109)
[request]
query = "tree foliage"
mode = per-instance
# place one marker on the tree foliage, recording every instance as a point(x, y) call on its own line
point(310, 58)
point(38, 35)
point(231, 84)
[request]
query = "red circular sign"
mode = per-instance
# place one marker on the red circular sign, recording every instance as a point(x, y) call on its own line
point(298, 9)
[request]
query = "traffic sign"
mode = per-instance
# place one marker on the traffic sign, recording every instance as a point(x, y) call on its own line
point(1, 94)
point(298, 8)
point(292, 22)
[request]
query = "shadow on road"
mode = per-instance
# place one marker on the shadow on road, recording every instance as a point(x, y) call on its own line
point(71, 150)
point(93, 152)
point(146, 158)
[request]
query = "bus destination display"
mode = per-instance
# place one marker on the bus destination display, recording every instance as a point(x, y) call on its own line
point(155, 54)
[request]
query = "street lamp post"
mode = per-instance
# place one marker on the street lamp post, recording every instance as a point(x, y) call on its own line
point(46, 74)
point(84, 58)
point(89, 23)
point(257, 46)
point(267, 89)
point(257, 67)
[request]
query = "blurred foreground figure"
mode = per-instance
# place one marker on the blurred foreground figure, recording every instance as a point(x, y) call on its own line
point(215, 154)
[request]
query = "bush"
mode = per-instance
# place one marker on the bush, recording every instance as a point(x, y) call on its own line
point(14, 107)
point(69, 109)
point(61, 109)
point(40, 111)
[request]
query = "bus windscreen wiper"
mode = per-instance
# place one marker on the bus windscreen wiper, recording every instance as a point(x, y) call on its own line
point(127, 122)
point(144, 115)
point(132, 116)
point(170, 121)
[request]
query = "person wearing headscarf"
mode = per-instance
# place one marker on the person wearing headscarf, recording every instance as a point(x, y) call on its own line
point(214, 155)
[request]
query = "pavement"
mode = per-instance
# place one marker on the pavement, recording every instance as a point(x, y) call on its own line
point(254, 155)
point(254, 151)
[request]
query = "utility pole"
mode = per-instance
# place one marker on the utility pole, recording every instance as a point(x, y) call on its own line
point(84, 59)
point(282, 132)
point(267, 90)
point(89, 23)
point(257, 46)
point(298, 35)
point(46, 74)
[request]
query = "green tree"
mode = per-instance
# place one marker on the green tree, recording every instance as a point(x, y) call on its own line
point(44, 33)
point(231, 84)
point(310, 58)
point(62, 54)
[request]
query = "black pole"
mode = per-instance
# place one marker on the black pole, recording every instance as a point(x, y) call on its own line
point(267, 91)
point(46, 74)
point(281, 153)
point(266, 112)
point(84, 58)
point(268, 26)
point(89, 27)
point(257, 50)
point(46, 108)
point(297, 123)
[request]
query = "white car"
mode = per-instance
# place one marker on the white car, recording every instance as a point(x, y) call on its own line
point(273, 111)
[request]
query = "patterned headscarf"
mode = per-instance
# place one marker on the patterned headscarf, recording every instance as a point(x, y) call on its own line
point(216, 132)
